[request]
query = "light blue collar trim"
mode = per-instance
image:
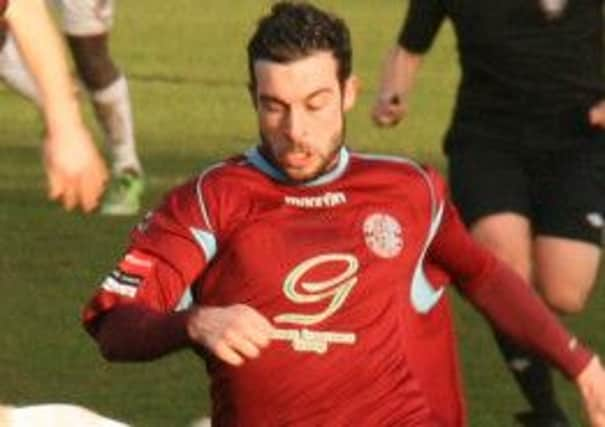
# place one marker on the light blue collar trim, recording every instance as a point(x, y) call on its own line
point(258, 160)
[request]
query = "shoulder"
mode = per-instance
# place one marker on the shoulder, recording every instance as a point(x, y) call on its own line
point(396, 166)
point(189, 199)
point(212, 178)
point(402, 174)
point(386, 160)
point(228, 173)
point(215, 194)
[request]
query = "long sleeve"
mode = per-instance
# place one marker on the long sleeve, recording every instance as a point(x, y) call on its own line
point(422, 22)
point(132, 332)
point(162, 262)
point(503, 297)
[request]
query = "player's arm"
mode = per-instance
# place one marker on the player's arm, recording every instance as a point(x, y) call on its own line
point(513, 308)
point(45, 56)
point(503, 297)
point(145, 326)
point(403, 61)
point(134, 315)
point(134, 332)
point(399, 71)
point(75, 170)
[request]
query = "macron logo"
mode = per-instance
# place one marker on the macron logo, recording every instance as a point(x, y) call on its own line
point(327, 200)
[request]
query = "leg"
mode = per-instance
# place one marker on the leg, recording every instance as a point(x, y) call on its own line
point(491, 187)
point(509, 237)
point(87, 24)
point(93, 62)
point(569, 229)
point(566, 270)
point(109, 93)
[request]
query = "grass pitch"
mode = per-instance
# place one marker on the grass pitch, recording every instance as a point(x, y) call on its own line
point(187, 69)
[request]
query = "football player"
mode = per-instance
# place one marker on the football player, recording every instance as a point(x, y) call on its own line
point(297, 269)
point(86, 24)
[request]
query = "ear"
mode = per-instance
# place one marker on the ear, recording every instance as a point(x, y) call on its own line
point(350, 90)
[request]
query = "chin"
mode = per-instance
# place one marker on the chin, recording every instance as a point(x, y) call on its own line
point(306, 174)
point(301, 178)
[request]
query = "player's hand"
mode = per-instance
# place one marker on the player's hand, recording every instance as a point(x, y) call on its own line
point(75, 171)
point(389, 109)
point(233, 334)
point(591, 383)
point(596, 115)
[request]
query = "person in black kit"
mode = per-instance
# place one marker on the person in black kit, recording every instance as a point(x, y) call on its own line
point(526, 146)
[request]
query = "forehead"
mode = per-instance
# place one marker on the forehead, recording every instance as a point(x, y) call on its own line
point(297, 78)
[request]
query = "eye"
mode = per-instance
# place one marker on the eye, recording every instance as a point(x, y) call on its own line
point(318, 102)
point(271, 106)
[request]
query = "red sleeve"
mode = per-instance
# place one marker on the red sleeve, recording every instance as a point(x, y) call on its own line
point(3, 7)
point(503, 297)
point(131, 332)
point(162, 262)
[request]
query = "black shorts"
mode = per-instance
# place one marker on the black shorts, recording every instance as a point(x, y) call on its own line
point(561, 192)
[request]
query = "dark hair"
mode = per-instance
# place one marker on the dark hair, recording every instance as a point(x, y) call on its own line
point(295, 30)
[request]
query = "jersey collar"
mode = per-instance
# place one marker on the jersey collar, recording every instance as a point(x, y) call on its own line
point(255, 157)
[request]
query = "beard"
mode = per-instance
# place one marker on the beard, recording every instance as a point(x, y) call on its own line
point(327, 161)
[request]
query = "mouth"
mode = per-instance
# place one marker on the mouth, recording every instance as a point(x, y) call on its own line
point(296, 159)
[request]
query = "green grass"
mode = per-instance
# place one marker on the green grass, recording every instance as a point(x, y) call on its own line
point(187, 72)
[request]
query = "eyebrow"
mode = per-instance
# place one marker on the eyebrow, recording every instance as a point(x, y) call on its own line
point(263, 97)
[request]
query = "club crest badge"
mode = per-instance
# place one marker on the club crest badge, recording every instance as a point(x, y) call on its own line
point(383, 235)
point(553, 9)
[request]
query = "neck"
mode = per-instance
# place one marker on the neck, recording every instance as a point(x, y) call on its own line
point(268, 156)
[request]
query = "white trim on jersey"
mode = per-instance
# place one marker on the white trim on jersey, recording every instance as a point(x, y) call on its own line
point(423, 294)
point(206, 240)
point(200, 196)
point(412, 163)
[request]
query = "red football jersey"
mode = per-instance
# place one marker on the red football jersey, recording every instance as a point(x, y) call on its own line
point(337, 266)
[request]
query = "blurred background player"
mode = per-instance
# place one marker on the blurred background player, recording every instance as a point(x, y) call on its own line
point(526, 146)
point(75, 170)
point(86, 24)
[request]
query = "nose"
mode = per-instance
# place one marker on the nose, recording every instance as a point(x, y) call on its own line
point(295, 125)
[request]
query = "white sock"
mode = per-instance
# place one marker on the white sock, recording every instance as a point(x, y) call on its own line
point(15, 73)
point(112, 107)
